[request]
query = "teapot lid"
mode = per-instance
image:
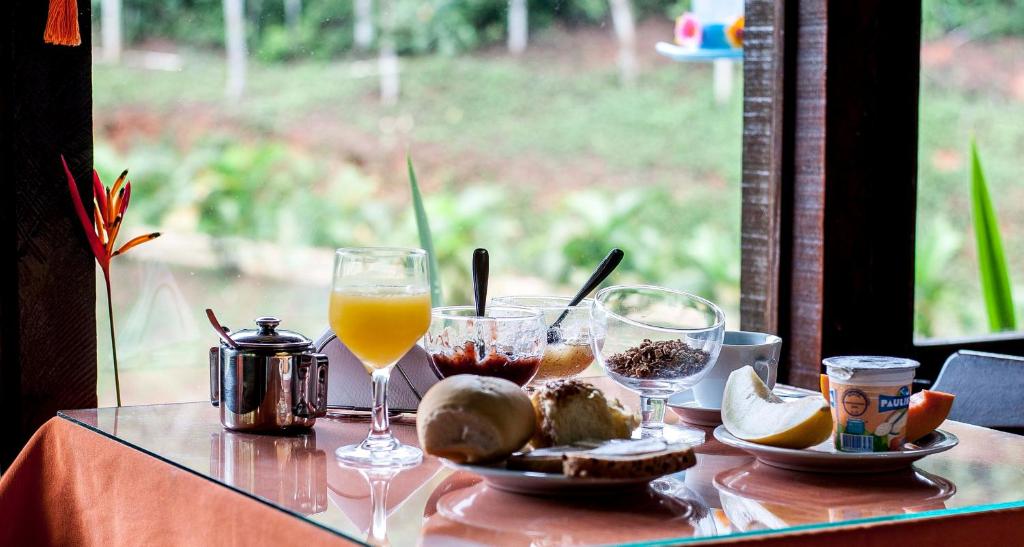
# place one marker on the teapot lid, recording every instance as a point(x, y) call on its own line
point(268, 337)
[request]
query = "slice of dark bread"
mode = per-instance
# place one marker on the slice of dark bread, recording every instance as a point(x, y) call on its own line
point(629, 459)
point(545, 460)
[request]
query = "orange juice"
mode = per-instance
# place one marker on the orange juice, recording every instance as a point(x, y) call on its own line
point(379, 325)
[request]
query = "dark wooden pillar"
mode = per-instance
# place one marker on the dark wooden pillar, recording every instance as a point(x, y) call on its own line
point(760, 231)
point(830, 178)
point(870, 185)
point(47, 303)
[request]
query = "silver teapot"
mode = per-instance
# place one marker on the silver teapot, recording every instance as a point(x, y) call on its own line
point(267, 380)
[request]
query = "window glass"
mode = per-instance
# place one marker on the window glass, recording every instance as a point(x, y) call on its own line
point(972, 86)
point(261, 135)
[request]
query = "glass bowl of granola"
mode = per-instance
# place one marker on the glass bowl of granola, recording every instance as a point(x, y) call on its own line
point(656, 342)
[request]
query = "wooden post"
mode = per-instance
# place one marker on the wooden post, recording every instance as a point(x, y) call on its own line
point(722, 80)
point(110, 30)
point(234, 40)
point(364, 24)
point(387, 61)
point(48, 303)
point(625, 31)
point(292, 15)
point(518, 26)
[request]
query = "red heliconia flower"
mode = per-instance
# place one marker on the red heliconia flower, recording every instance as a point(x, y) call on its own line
point(109, 207)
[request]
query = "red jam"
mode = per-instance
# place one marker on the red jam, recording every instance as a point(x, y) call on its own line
point(498, 365)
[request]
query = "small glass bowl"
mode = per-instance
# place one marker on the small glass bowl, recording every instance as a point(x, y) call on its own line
point(568, 352)
point(656, 342)
point(507, 343)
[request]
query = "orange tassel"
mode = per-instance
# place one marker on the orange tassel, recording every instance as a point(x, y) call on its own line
point(62, 24)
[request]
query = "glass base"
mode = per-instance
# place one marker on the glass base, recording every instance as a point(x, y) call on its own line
point(359, 455)
point(673, 434)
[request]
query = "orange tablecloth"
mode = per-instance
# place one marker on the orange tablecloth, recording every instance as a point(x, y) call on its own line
point(72, 486)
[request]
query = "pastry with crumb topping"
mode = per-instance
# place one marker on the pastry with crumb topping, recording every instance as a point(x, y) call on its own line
point(573, 411)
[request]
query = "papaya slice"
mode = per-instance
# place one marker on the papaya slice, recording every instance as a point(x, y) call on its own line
point(928, 409)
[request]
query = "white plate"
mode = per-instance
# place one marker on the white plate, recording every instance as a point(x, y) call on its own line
point(546, 484)
point(824, 458)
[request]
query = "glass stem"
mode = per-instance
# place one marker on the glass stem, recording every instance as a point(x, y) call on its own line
point(380, 437)
point(652, 415)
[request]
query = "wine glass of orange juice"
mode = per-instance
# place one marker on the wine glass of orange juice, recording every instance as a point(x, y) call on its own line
point(380, 307)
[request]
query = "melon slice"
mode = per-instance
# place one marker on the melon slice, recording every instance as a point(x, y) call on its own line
point(751, 412)
point(823, 385)
point(928, 409)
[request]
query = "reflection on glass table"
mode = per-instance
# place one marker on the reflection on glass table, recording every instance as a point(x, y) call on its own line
point(756, 496)
point(479, 514)
point(287, 470)
point(724, 494)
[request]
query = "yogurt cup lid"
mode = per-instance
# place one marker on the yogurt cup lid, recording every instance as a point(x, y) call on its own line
point(846, 366)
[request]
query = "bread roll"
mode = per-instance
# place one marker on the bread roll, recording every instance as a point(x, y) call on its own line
point(474, 419)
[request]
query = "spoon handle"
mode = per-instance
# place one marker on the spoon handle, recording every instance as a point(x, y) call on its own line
point(481, 267)
point(603, 270)
point(221, 331)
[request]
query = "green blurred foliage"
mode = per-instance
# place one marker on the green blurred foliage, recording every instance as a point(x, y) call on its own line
point(266, 191)
point(325, 27)
point(262, 191)
point(975, 18)
point(449, 26)
point(938, 245)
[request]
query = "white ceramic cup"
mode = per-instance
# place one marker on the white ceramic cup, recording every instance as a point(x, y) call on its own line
point(739, 349)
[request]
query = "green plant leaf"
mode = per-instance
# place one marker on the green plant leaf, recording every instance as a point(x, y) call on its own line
point(995, 278)
point(426, 240)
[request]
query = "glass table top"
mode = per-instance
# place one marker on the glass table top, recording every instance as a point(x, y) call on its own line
point(726, 493)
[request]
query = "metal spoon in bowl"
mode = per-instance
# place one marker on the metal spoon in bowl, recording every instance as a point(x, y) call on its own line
point(481, 270)
point(603, 270)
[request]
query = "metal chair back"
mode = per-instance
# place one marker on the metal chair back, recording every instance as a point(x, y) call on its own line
point(989, 389)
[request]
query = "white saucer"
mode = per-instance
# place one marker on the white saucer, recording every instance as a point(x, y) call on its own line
point(692, 413)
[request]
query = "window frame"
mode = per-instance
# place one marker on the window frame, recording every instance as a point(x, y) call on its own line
point(818, 266)
point(48, 304)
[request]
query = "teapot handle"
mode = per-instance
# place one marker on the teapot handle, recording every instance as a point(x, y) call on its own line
point(310, 394)
point(215, 376)
point(320, 382)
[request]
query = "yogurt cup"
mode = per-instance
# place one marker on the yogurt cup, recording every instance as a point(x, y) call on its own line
point(869, 397)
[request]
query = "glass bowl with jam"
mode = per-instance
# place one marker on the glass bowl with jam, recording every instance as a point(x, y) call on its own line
point(508, 342)
point(568, 351)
